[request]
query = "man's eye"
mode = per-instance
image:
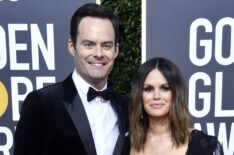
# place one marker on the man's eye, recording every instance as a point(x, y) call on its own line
point(107, 46)
point(88, 45)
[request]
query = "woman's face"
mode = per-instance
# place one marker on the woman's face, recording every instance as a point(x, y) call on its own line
point(157, 95)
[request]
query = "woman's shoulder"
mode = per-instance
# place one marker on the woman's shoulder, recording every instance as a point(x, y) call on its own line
point(202, 143)
point(203, 137)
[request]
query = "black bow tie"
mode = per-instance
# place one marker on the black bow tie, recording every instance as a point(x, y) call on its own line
point(105, 94)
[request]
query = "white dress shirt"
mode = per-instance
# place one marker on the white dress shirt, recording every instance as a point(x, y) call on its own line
point(102, 118)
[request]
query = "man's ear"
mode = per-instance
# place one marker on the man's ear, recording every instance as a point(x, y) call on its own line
point(71, 47)
point(116, 49)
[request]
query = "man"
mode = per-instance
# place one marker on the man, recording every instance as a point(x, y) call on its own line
point(61, 119)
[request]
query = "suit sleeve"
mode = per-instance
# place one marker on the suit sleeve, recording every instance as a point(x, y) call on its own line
point(31, 135)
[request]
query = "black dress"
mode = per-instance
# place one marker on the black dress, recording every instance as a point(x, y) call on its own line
point(203, 144)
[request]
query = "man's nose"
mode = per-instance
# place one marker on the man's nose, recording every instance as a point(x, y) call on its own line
point(99, 52)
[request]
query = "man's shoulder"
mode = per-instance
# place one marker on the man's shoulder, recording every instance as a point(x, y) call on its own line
point(49, 88)
point(50, 91)
point(54, 88)
point(120, 97)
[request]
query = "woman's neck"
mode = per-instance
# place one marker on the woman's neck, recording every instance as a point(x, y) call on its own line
point(159, 126)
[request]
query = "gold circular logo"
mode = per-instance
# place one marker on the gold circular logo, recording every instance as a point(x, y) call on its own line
point(3, 99)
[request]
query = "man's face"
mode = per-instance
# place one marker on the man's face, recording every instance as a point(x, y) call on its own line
point(95, 50)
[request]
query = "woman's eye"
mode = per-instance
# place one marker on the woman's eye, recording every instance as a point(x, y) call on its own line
point(148, 89)
point(165, 88)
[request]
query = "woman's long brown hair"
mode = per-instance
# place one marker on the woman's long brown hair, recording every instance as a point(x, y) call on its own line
point(179, 113)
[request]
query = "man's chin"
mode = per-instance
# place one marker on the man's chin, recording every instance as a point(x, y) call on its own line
point(98, 77)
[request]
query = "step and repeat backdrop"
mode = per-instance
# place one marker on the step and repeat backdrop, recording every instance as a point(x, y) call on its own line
point(198, 36)
point(33, 53)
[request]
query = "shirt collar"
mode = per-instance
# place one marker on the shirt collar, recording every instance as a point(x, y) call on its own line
point(81, 84)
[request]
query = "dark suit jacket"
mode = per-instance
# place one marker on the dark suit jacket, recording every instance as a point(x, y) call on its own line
point(53, 122)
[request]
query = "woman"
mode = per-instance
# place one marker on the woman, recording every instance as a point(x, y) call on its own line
point(159, 116)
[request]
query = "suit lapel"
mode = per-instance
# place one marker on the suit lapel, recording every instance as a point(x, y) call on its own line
point(121, 126)
point(77, 113)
